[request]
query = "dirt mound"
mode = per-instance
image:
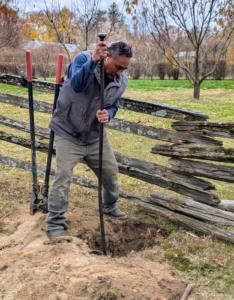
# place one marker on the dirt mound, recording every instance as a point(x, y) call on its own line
point(32, 267)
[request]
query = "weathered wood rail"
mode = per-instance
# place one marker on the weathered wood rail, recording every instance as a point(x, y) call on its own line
point(202, 169)
point(37, 84)
point(222, 129)
point(75, 179)
point(125, 126)
point(191, 141)
point(199, 152)
point(155, 210)
point(151, 108)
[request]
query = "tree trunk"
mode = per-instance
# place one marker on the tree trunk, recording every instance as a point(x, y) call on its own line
point(196, 93)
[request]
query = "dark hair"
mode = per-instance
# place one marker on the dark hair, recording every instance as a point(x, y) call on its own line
point(120, 48)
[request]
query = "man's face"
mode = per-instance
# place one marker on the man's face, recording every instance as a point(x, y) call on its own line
point(115, 66)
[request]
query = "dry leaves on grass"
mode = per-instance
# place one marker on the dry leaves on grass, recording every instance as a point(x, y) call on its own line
point(207, 237)
point(207, 283)
point(219, 261)
point(192, 234)
point(88, 192)
point(147, 234)
point(158, 236)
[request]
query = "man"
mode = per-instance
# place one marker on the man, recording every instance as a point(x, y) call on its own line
point(75, 123)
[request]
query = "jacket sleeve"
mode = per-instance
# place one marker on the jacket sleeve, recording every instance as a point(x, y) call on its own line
point(81, 72)
point(112, 110)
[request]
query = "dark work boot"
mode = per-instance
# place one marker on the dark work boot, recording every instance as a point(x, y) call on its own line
point(60, 234)
point(117, 213)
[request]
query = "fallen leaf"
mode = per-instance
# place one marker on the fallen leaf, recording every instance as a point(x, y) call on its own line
point(207, 237)
point(4, 166)
point(147, 234)
point(207, 283)
point(219, 261)
point(192, 234)
point(87, 169)
point(158, 236)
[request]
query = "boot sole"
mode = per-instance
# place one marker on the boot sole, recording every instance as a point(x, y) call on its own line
point(59, 238)
point(121, 218)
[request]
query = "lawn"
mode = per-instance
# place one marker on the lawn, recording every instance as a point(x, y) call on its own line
point(208, 84)
point(205, 262)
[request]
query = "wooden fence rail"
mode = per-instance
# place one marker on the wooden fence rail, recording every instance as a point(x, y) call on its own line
point(222, 129)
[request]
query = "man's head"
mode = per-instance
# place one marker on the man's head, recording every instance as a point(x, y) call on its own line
point(118, 59)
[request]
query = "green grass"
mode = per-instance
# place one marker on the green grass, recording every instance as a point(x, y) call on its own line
point(148, 85)
point(205, 262)
point(47, 79)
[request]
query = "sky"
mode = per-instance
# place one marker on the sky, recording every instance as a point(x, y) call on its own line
point(37, 5)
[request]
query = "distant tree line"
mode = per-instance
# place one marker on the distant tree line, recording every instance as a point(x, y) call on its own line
point(167, 70)
point(194, 39)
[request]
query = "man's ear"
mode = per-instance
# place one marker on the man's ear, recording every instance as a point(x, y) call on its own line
point(108, 56)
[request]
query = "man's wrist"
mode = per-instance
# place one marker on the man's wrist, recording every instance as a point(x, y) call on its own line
point(93, 60)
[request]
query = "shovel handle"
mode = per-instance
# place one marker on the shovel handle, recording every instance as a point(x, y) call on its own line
point(29, 65)
point(102, 36)
point(59, 69)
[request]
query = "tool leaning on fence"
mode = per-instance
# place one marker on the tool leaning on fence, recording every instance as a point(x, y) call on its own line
point(45, 188)
point(35, 202)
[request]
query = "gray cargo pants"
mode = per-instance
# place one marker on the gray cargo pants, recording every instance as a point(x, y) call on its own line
point(67, 156)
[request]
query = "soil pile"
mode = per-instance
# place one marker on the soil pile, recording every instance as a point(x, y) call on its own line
point(33, 267)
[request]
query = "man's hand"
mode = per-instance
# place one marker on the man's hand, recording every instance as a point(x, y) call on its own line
point(102, 116)
point(100, 52)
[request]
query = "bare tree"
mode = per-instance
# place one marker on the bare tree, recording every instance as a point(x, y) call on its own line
point(8, 23)
point(62, 21)
point(45, 59)
point(74, 25)
point(89, 17)
point(200, 25)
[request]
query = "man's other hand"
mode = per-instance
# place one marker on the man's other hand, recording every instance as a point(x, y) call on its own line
point(102, 116)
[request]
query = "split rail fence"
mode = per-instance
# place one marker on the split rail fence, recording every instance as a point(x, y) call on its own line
point(192, 149)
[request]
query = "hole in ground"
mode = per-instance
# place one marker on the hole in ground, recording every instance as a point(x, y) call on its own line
point(126, 236)
point(121, 236)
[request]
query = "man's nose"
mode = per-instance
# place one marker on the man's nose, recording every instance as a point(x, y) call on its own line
point(119, 72)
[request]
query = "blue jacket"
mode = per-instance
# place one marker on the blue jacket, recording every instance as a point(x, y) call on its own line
point(75, 115)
